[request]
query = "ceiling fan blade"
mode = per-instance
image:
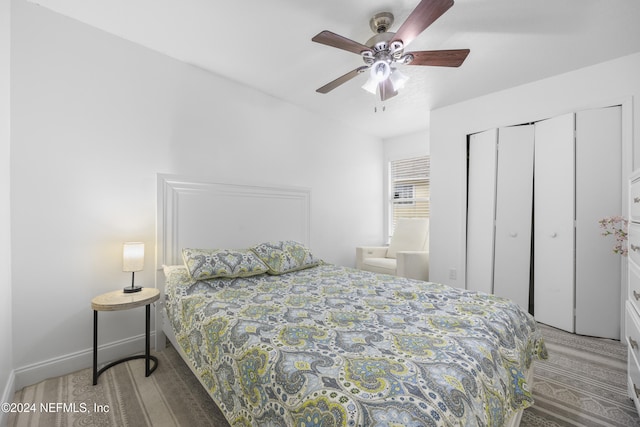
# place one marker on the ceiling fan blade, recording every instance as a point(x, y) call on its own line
point(386, 90)
point(439, 58)
point(340, 80)
point(336, 40)
point(422, 16)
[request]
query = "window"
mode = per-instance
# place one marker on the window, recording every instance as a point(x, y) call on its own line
point(408, 189)
point(403, 194)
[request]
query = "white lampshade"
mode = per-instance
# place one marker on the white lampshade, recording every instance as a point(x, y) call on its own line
point(371, 85)
point(380, 71)
point(133, 256)
point(398, 79)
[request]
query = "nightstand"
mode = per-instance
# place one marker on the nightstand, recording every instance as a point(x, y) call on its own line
point(118, 300)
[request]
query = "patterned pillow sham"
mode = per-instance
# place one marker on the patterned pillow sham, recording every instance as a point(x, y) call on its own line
point(177, 274)
point(285, 256)
point(212, 263)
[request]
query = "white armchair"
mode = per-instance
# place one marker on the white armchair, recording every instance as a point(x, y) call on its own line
point(407, 254)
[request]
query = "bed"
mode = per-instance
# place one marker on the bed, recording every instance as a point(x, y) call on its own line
point(301, 342)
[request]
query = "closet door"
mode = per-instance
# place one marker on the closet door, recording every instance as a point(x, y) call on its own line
point(514, 204)
point(554, 241)
point(481, 210)
point(598, 195)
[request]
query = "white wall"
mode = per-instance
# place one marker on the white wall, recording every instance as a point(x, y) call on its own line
point(605, 84)
point(6, 349)
point(405, 146)
point(94, 119)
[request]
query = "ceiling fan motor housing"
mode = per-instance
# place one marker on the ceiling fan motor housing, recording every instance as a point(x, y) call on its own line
point(383, 48)
point(381, 22)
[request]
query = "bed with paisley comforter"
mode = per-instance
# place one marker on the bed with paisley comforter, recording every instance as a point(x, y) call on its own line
point(317, 344)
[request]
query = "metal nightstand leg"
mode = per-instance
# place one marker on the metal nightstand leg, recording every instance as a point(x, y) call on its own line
point(147, 340)
point(148, 369)
point(95, 347)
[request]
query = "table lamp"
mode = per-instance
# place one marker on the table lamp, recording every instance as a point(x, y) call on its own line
point(133, 260)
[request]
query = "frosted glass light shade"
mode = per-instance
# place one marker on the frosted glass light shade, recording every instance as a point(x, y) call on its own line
point(398, 79)
point(380, 71)
point(133, 256)
point(371, 85)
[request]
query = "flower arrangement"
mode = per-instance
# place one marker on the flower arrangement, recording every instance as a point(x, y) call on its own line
point(616, 226)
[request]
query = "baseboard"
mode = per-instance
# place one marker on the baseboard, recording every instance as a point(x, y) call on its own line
point(63, 365)
point(7, 397)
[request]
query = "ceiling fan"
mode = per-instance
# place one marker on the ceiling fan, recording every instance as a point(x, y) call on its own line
point(385, 50)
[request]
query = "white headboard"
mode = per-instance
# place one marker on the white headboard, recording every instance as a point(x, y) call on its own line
point(202, 214)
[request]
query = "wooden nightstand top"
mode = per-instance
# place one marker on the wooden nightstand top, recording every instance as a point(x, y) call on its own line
point(118, 300)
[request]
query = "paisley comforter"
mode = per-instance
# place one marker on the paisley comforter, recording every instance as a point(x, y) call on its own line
point(332, 346)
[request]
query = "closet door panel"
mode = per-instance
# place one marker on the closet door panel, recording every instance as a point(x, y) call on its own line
point(481, 210)
point(598, 195)
point(554, 244)
point(514, 204)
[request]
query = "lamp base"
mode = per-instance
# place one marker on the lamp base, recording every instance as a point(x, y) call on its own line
point(132, 289)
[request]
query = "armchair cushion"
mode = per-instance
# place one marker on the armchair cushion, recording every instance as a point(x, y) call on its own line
point(406, 256)
point(411, 234)
point(380, 265)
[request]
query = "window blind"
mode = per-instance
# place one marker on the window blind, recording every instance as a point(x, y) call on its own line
point(409, 189)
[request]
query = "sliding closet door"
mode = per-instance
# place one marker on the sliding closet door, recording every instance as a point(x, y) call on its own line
point(481, 210)
point(554, 239)
point(598, 195)
point(514, 204)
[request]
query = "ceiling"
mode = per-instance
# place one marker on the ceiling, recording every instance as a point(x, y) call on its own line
point(267, 45)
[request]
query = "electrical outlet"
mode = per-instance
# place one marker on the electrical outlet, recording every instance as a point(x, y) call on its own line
point(453, 274)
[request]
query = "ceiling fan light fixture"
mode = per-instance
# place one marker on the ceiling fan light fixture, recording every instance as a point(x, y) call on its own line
point(380, 71)
point(398, 79)
point(371, 85)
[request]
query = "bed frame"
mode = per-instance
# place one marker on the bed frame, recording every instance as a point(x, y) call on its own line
point(202, 214)
point(198, 213)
